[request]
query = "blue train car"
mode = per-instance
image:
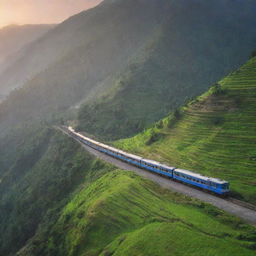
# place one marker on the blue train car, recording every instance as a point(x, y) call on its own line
point(211, 184)
point(215, 185)
point(157, 167)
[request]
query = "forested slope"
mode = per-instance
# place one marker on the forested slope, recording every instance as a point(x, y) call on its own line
point(123, 214)
point(56, 199)
point(39, 169)
point(123, 53)
point(214, 134)
point(198, 43)
point(72, 60)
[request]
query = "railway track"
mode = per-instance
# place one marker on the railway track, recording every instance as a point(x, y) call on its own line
point(241, 209)
point(242, 203)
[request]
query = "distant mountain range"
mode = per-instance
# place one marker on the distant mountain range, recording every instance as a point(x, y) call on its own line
point(113, 71)
point(128, 61)
point(14, 38)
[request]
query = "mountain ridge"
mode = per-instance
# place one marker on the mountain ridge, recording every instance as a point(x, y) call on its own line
point(205, 135)
point(16, 37)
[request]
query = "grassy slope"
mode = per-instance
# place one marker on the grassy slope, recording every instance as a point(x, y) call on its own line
point(176, 65)
point(37, 176)
point(68, 64)
point(214, 134)
point(55, 194)
point(123, 214)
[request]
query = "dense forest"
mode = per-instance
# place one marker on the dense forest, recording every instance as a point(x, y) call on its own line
point(158, 53)
point(114, 71)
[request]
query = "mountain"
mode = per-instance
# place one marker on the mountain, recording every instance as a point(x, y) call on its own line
point(56, 199)
point(198, 43)
point(37, 176)
point(126, 215)
point(13, 38)
point(77, 56)
point(121, 53)
point(214, 134)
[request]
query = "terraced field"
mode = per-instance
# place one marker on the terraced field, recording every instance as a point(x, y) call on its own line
point(123, 214)
point(215, 134)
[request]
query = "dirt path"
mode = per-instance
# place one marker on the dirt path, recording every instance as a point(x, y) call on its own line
point(237, 210)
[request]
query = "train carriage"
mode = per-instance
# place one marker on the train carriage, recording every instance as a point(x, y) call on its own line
point(198, 180)
point(211, 184)
point(157, 167)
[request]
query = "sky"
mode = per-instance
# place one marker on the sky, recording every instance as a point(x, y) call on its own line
point(40, 11)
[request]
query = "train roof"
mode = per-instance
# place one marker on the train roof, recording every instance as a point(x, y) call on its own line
point(133, 156)
point(167, 167)
point(151, 161)
point(199, 176)
point(193, 174)
point(157, 163)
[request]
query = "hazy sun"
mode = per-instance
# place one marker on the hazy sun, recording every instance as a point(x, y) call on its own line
point(40, 11)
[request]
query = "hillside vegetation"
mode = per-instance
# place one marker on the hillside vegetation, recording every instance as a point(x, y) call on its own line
point(214, 134)
point(122, 53)
point(129, 63)
point(123, 214)
point(56, 199)
point(195, 46)
point(39, 169)
point(75, 58)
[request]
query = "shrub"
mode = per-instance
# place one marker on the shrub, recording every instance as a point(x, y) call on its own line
point(218, 120)
point(160, 124)
point(177, 114)
point(155, 136)
point(218, 90)
point(253, 54)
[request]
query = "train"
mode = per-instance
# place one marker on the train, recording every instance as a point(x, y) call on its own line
point(214, 185)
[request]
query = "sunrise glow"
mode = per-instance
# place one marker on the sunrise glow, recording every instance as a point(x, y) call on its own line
point(41, 11)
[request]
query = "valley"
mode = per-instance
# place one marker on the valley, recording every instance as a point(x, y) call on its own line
point(169, 80)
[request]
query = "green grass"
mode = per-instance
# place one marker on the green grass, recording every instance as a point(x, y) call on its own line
point(123, 214)
point(169, 69)
point(215, 134)
point(37, 176)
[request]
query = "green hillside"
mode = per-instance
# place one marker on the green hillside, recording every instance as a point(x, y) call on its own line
point(215, 134)
point(128, 63)
point(70, 62)
point(121, 53)
point(39, 169)
point(56, 199)
point(123, 214)
point(195, 46)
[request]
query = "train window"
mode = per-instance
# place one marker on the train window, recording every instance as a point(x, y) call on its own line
point(224, 186)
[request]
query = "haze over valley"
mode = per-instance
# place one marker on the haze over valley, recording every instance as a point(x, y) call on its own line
point(172, 81)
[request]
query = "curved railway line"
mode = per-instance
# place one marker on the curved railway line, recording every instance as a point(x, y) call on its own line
point(233, 206)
